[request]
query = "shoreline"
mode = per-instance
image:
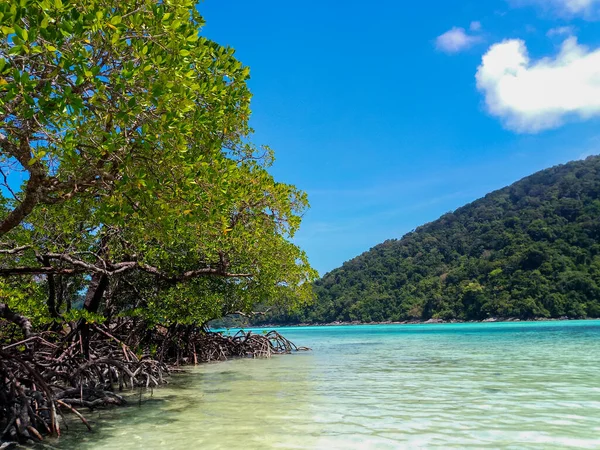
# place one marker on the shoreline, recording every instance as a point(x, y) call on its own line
point(421, 322)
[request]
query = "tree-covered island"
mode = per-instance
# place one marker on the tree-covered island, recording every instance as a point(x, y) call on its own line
point(530, 250)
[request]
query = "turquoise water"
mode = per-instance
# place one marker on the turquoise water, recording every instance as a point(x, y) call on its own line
point(494, 385)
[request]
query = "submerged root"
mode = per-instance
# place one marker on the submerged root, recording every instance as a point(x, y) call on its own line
point(193, 346)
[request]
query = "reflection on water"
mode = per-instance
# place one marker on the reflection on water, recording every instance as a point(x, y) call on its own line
point(516, 385)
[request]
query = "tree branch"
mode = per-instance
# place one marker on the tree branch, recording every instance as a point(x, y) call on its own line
point(4, 272)
point(12, 251)
point(33, 190)
point(83, 267)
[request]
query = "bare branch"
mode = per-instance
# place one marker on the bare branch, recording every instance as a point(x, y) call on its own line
point(15, 250)
point(4, 272)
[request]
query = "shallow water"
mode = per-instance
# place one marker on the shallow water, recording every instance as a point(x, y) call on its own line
point(494, 385)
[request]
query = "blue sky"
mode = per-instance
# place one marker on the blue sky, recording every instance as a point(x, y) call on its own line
point(391, 113)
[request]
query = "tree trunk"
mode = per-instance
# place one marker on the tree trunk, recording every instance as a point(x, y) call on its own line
point(51, 291)
point(93, 297)
point(95, 292)
point(18, 319)
point(60, 292)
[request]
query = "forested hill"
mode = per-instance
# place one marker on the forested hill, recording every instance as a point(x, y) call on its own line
point(529, 250)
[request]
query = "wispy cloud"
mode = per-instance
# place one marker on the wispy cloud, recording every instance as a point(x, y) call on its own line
point(457, 39)
point(530, 96)
point(475, 26)
point(561, 31)
point(587, 154)
point(588, 9)
point(593, 148)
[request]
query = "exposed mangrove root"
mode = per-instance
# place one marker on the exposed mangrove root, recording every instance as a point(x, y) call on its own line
point(46, 375)
point(195, 346)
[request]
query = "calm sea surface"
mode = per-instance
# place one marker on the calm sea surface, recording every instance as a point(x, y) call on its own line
point(495, 385)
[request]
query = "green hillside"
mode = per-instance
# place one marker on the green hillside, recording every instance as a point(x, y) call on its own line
point(529, 250)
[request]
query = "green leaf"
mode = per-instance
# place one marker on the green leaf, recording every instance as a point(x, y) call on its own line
point(15, 50)
point(45, 4)
point(20, 32)
point(116, 20)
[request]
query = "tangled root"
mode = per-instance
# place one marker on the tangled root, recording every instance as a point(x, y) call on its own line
point(52, 373)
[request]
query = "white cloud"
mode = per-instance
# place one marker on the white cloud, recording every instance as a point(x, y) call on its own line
point(530, 96)
point(586, 8)
point(455, 40)
point(560, 31)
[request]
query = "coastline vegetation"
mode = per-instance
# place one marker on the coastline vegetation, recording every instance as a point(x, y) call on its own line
point(134, 206)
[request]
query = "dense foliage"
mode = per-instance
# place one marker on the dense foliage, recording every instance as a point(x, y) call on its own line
point(530, 250)
point(129, 182)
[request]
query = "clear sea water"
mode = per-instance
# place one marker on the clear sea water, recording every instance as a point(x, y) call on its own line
point(533, 385)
